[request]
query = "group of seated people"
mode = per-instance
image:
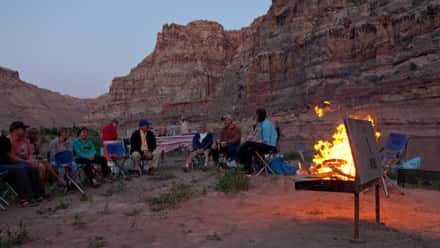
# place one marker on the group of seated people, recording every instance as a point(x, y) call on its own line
point(21, 157)
point(262, 138)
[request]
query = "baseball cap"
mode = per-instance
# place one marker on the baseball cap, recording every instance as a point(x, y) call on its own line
point(226, 116)
point(17, 125)
point(144, 122)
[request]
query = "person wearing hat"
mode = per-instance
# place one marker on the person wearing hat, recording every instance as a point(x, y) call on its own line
point(110, 132)
point(229, 142)
point(143, 146)
point(21, 153)
point(85, 153)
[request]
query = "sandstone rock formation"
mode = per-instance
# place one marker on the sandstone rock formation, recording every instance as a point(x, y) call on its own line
point(372, 56)
point(36, 106)
point(378, 57)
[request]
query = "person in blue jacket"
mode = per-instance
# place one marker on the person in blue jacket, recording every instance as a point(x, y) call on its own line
point(266, 143)
point(201, 143)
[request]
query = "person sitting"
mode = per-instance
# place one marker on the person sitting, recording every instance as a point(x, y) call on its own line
point(18, 175)
point(44, 165)
point(143, 146)
point(229, 142)
point(60, 144)
point(201, 144)
point(267, 141)
point(85, 153)
point(21, 155)
point(184, 126)
point(110, 132)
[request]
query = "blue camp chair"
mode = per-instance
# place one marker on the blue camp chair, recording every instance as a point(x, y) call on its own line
point(391, 154)
point(6, 190)
point(115, 151)
point(64, 160)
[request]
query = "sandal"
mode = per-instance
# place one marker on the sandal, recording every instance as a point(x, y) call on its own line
point(25, 204)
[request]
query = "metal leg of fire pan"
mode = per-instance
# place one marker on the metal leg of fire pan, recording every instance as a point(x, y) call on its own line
point(377, 203)
point(356, 217)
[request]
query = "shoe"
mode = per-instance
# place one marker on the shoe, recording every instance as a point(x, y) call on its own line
point(185, 169)
point(25, 204)
point(95, 183)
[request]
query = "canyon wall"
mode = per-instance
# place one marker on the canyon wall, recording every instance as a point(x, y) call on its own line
point(381, 57)
point(35, 106)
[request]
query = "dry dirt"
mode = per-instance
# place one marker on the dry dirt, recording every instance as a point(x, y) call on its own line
point(271, 214)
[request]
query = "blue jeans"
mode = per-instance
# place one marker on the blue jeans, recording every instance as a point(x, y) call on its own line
point(24, 179)
point(230, 151)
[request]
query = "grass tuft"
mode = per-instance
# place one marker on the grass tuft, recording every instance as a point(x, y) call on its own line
point(14, 238)
point(233, 181)
point(97, 242)
point(116, 188)
point(177, 194)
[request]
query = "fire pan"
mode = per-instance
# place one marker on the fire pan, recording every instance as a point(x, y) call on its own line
point(367, 164)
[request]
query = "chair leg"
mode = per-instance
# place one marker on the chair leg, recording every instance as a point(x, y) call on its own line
point(10, 189)
point(75, 184)
point(4, 201)
point(266, 167)
point(390, 182)
point(385, 187)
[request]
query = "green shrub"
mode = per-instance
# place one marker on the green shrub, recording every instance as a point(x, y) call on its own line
point(177, 194)
point(233, 181)
point(17, 238)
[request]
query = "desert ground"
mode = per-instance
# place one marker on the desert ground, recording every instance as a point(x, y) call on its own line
point(270, 214)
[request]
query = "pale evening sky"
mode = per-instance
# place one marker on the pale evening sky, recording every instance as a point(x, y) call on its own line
point(77, 47)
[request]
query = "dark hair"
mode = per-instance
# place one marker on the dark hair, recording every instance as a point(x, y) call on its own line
point(62, 130)
point(261, 114)
point(80, 130)
point(33, 134)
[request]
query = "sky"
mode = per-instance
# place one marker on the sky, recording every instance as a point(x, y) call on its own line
point(77, 47)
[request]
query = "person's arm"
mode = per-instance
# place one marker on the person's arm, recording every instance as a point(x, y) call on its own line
point(195, 142)
point(92, 151)
point(153, 144)
point(236, 138)
point(79, 152)
point(208, 141)
point(52, 151)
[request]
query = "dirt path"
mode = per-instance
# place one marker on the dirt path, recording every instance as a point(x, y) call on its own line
point(271, 214)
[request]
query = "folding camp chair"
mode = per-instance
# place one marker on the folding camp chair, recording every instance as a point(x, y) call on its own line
point(265, 162)
point(392, 153)
point(115, 151)
point(6, 190)
point(64, 160)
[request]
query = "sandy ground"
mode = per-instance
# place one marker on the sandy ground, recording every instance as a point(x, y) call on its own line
point(271, 214)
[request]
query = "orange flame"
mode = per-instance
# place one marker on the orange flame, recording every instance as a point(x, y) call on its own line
point(334, 158)
point(320, 109)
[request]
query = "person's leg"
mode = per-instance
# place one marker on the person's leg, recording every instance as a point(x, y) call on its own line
point(48, 167)
point(88, 169)
point(156, 159)
point(206, 153)
point(245, 155)
point(103, 163)
point(136, 158)
point(37, 186)
point(190, 159)
point(215, 153)
point(19, 178)
point(231, 151)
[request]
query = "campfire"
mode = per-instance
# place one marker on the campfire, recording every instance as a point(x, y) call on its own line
point(334, 159)
point(349, 163)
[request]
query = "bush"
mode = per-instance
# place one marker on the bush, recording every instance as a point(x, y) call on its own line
point(233, 181)
point(177, 194)
point(17, 238)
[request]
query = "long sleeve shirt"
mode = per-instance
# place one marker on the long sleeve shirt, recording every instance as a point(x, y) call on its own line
point(268, 133)
point(83, 149)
